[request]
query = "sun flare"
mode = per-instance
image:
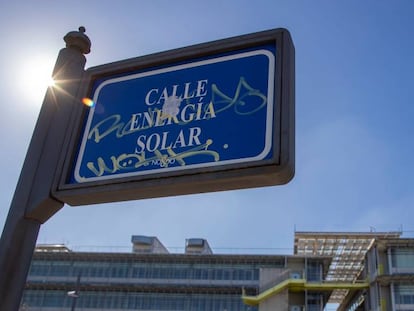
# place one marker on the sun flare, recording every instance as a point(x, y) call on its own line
point(35, 77)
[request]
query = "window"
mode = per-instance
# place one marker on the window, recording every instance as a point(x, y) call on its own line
point(404, 294)
point(136, 301)
point(314, 271)
point(314, 302)
point(119, 270)
point(39, 268)
point(402, 258)
point(60, 268)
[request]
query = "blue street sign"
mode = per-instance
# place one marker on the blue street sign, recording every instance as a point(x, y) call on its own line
point(208, 112)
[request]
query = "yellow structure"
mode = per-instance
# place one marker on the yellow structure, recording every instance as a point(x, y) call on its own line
point(297, 285)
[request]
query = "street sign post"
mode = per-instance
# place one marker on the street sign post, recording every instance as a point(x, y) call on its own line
point(32, 203)
point(210, 117)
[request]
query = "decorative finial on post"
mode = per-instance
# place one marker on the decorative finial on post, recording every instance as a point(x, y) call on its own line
point(78, 40)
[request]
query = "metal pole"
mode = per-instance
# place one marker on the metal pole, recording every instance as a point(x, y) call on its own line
point(32, 203)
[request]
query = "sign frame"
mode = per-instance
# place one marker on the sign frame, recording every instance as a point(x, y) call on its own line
point(275, 171)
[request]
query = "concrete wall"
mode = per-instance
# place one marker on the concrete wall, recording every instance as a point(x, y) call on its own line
point(278, 302)
point(272, 276)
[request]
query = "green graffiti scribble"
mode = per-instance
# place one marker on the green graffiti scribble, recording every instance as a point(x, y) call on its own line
point(239, 99)
point(130, 161)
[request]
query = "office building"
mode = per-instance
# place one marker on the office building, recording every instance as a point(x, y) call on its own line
point(325, 267)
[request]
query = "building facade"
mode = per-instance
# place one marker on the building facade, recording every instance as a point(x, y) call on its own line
point(357, 271)
point(150, 278)
point(381, 263)
point(389, 267)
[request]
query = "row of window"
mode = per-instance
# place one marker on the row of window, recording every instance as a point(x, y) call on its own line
point(135, 301)
point(140, 271)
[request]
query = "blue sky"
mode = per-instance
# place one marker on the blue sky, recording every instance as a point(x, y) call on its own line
point(354, 117)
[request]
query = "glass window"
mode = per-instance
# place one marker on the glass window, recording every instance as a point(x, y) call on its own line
point(139, 271)
point(248, 274)
point(60, 268)
point(32, 298)
point(39, 268)
point(119, 270)
point(314, 302)
point(102, 269)
point(227, 274)
point(179, 273)
point(136, 301)
point(404, 294)
point(402, 258)
point(314, 271)
point(86, 269)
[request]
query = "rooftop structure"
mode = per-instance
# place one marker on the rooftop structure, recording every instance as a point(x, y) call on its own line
point(147, 244)
point(347, 250)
